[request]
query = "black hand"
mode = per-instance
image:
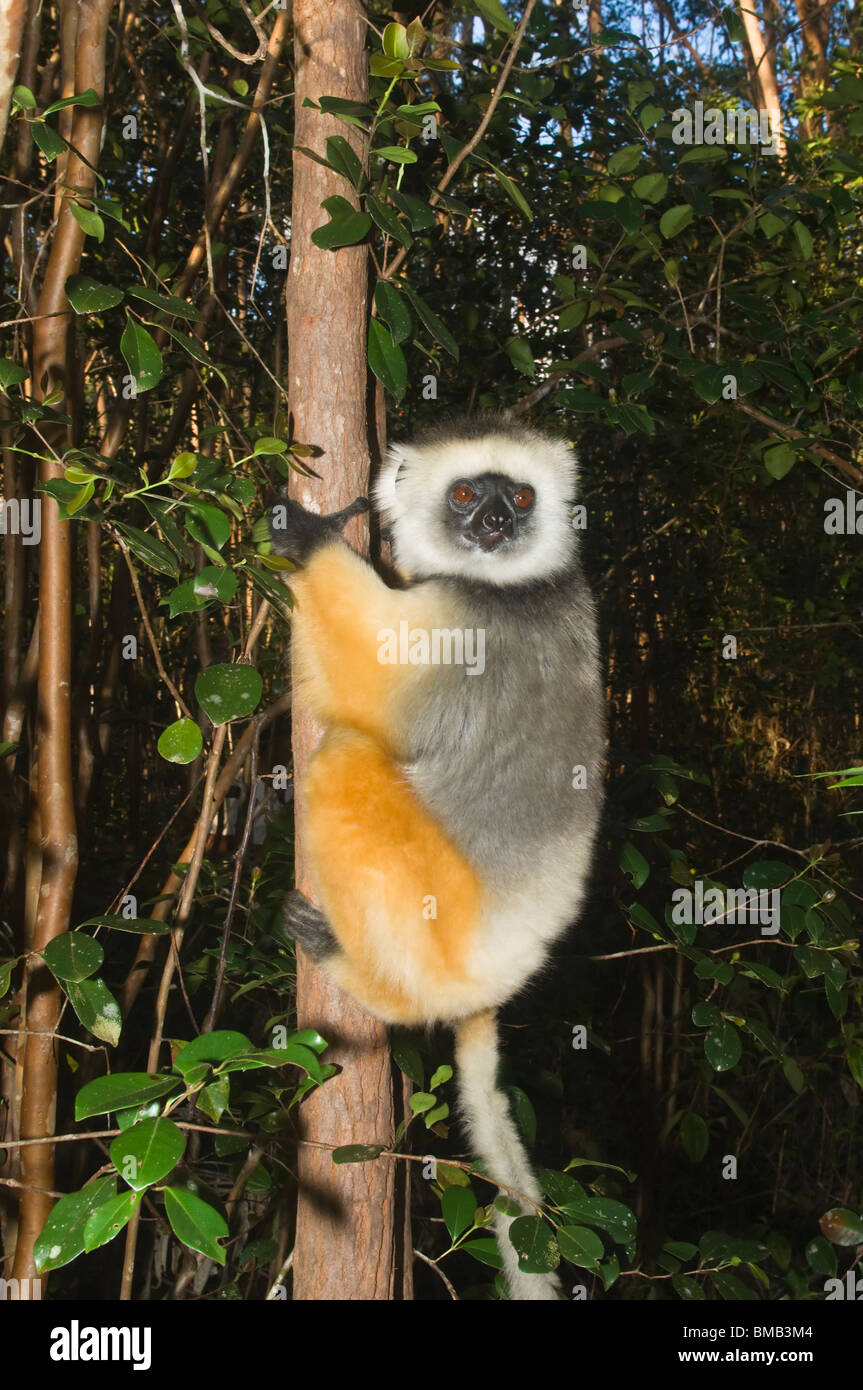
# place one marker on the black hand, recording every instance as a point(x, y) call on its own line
point(297, 532)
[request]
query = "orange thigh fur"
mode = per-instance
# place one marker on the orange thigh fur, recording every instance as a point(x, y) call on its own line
point(401, 900)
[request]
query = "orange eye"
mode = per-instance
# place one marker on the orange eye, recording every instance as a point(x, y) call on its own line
point(463, 493)
point(524, 497)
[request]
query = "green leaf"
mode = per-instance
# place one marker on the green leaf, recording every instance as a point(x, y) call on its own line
point(357, 1153)
point(821, 1257)
point(24, 98)
point(138, 926)
point(418, 213)
point(169, 303)
point(292, 1053)
point(458, 1205)
point(395, 41)
point(694, 1136)
point(421, 1101)
point(97, 1009)
point(182, 466)
point(212, 1047)
point(87, 98)
point(580, 1246)
point(521, 357)
point(87, 296)
point(705, 154)
point(120, 1092)
point(681, 1249)
point(494, 12)
point(386, 219)
point(485, 1250)
point(438, 330)
point(194, 347)
point(141, 355)
point(62, 1237)
point(854, 1058)
point(344, 160)
point(722, 1046)
point(771, 225)
point(440, 1112)
point(11, 374)
point(651, 188)
point(196, 1223)
point(109, 1219)
point(213, 582)
point(75, 504)
point(537, 1248)
point(382, 66)
point(396, 154)
point(268, 445)
point(345, 230)
point(147, 1152)
point(767, 873)
point(149, 549)
point(73, 956)
point(572, 315)
point(393, 311)
point(386, 359)
point(181, 742)
point(687, 1288)
point(625, 160)
point(842, 1227)
point(407, 1055)
point(803, 237)
point(633, 862)
point(708, 382)
point(675, 219)
point(51, 144)
point(731, 1288)
point(89, 221)
point(515, 195)
point(442, 1074)
point(227, 691)
point(779, 459)
point(215, 1098)
point(613, 1217)
point(6, 969)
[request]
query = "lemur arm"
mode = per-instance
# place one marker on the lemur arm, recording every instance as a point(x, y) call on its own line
point(343, 611)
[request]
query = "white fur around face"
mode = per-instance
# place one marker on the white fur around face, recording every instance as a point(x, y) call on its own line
point(414, 482)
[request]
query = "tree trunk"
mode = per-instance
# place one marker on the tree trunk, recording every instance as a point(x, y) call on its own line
point(764, 67)
point(346, 1236)
point(12, 14)
point(58, 837)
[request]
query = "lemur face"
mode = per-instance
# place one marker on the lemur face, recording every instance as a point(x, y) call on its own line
point(491, 512)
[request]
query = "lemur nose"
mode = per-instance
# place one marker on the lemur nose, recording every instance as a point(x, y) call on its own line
point(497, 521)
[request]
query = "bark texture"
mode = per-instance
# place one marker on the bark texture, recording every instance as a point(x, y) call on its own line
point(346, 1229)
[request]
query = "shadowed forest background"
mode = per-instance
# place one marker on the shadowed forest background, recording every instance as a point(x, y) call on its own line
point(525, 233)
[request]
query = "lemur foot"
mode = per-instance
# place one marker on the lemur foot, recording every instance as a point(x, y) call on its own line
point(307, 925)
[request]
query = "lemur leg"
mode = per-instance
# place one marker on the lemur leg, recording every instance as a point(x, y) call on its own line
point(307, 925)
point(402, 902)
point(343, 607)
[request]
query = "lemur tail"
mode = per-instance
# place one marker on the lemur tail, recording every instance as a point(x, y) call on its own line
point(495, 1140)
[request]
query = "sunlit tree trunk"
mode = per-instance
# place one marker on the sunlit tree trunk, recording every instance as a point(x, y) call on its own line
point(346, 1233)
point(768, 96)
point(814, 68)
point(12, 15)
point(58, 836)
